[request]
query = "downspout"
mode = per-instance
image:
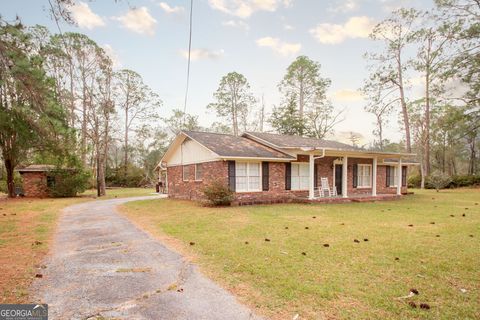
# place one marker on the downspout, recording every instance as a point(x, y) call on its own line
point(322, 156)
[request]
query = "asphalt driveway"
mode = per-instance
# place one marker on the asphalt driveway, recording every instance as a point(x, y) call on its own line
point(101, 265)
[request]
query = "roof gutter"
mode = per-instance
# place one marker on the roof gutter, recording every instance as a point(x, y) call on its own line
point(258, 158)
point(322, 156)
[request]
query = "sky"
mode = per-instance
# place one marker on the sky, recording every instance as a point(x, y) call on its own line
point(258, 38)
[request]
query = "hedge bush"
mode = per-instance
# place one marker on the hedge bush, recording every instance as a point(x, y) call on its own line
point(464, 181)
point(456, 181)
point(438, 181)
point(117, 178)
point(68, 183)
point(218, 194)
point(414, 181)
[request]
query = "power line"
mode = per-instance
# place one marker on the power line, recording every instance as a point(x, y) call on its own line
point(188, 63)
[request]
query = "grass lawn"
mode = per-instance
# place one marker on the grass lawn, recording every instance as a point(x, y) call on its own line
point(412, 243)
point(26, 227)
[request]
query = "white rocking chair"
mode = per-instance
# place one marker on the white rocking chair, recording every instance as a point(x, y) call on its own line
point(325, 190)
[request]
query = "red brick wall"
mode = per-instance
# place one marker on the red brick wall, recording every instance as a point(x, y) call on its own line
point(191, 189)
point(35, 184)
point(382, 183)
point(218, 170)
point(276, 191)
point(350, 189)
point(381, 179)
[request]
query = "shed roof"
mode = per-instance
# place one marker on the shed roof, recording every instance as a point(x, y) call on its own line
point(37, 168)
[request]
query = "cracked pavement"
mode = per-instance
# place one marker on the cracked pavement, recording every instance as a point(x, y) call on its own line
point(102, 265)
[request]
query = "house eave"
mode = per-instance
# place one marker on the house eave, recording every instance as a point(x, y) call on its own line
point(310, 149)
point(258, 158)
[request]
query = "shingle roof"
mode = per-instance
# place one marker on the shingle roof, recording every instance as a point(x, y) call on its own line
point(226, 145)
point(287, 141)
point(37, 168)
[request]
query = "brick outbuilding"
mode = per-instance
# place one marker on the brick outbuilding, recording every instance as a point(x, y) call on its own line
point(37, 181)
point(269, 168)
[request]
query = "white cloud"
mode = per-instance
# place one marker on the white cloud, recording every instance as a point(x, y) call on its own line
point(245, 8)
point(344, 6)
point(346, 95)
point(288, 27)
point(392, 5)
point(166, 7)
point(85, 17)
point(138, 20)
point(280, 47)
point(355, 27)
point(236, 24)
point(112, 55)
point(202, 54)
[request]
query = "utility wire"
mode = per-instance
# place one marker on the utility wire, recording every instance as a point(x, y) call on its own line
point(188, 63)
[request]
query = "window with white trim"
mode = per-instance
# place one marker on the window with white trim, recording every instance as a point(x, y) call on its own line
point(364, 176)
point(300, 176)
point(198, 172)
point(185, 173)
point(393, 176)
point(247, 176)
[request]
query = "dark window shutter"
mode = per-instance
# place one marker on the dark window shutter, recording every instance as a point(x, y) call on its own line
point(355, 175)
point(288, 176)
point(265, 176)
point(387, 176)
point(404, 176)
point(231, 175)
point(315, 176)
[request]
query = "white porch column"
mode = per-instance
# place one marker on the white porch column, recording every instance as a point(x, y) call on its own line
point(374, 177)
point(311, 183)
point(344, 177)
point(399, 177)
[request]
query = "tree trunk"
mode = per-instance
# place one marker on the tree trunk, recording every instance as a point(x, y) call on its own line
point(84, 127)
point(301, 102)
point(380, 132)
point(9, 167)
point(422, 175)
point(262, 114)
point(471, 162)
point(427, 122)
point(444, 153)
point(101, 175)
point(127, 108)
point(406, 121)
point(125, 156)
point(72, 95)
point(235, 113)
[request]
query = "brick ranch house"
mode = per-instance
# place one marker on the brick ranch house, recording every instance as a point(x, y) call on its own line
point(268, 168)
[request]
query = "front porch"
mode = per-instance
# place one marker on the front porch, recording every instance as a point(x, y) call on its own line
point(334, 175)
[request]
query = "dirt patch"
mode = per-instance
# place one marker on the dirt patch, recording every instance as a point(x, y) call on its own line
point(20, 252)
